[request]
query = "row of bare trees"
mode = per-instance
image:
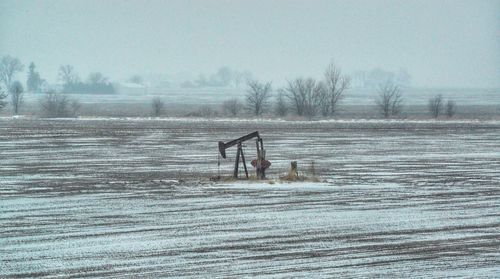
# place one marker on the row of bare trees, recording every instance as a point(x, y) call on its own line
point(305, 97)
point(52, 104)
point(308, 98)
point(390, 103)
point(59, 105)
point(437, 107)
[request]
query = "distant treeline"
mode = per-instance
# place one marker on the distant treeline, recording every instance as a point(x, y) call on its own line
point(96, 82)
point(88, 88)
point(224, 77)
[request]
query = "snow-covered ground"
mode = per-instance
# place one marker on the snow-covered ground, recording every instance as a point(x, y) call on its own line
point(355, 96)
point(129, 197)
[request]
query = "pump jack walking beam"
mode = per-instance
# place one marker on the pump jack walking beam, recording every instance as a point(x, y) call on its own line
point(223, 146)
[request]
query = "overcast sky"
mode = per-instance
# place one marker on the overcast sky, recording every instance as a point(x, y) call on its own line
point(440, 43)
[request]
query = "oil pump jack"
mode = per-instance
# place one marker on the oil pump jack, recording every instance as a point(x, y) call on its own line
point(260, 164)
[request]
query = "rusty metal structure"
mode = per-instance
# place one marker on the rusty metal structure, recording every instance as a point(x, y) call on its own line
point(260, 164)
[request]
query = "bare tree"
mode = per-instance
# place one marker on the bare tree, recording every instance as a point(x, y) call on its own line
point(158, 106)
point(16, 96)
point(75, 107)
point(232, 107)
point(315, 96)
point(9, 66)
point(390, 100)
point(257, 97)
point(3, 95)
point(335, 86)
point(54, 104)
point(451, 108)
point(306, 96)
point(68, 75)
point(223, 77)
point(136, 79)
point(294, 91)
point(97, 78)
point(241, 77)
point(281, 107)
point(436, 105)
point(206, 111)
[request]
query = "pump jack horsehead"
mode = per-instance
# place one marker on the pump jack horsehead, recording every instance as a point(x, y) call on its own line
point(260, 164)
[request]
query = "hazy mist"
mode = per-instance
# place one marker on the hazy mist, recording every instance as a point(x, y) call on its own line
point(440, 43)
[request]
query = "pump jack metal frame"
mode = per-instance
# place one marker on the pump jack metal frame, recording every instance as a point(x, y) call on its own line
point(261, 153)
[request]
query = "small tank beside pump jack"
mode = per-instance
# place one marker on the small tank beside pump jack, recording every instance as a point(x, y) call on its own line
point(260, 164)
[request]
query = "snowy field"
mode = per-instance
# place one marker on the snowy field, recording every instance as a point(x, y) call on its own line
point(131, 197)
point(358, 103)
point(215, 96)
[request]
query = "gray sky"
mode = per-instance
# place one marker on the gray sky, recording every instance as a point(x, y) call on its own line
point(440, 43)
